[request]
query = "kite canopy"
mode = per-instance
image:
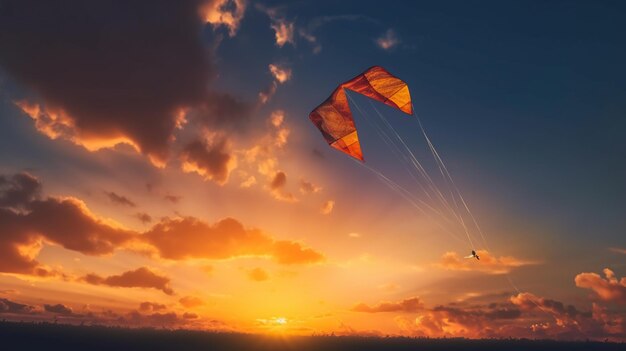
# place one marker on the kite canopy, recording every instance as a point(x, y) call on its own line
point(334, 118)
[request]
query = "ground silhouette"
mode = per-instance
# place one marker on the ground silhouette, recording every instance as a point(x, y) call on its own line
point(49, 336)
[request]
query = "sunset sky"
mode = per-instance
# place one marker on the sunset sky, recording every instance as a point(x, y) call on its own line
point(158, 167)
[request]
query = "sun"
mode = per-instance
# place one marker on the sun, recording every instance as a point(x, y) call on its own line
point(281, 320)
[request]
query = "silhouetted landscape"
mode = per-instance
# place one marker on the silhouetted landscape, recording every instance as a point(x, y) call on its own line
point(48, 336)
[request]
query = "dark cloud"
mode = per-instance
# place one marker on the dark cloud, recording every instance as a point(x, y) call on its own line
point(63, 221)
point(105, 72)
point(412, 304)
point(58, 309)
point(151, 306)
point(279, 180)
point(18, 190)
point(69, 223)
point(119, 199)
point(213, 162)
point(222, 111)
point(139, 278)
point(135, 318)
point(8, 306)
point(172, 198)
point(143, 217)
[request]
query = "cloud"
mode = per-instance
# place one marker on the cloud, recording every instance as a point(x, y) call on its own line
point(151, 306)
point(277, 119)
point(18, 190)
point(143, 217)
point(312, 39)
point(279, 181)
point(188, 315)
point(142, 69)
point(327, 207)
point(307, 187)
point(58, 309)
point(221, 111)
point(213, 162)
point(281, 75)
point(64, 221)
point(277, 187)
point(354, 235)
point(227, 13)
point(8, 306)
point(258, 275)
point(119, 199)
point(412, 304)
point(388, 41)
point(617, 250)
point(141, 277)
point(283, 30)
point(248, 182)
point(609, 289)
point(288, 252)
point(191, 301)
point(172, 198)
point(487, 264)
point(188, 237)
point(67, 222)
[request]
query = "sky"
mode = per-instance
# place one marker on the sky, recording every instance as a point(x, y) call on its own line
point(158, 167)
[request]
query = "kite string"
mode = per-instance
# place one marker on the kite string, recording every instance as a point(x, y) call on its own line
point(458, 216)
point(398, 153)
point(407, 196)
point(460, 195)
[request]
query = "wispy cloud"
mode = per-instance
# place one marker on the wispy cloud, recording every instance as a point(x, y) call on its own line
point(488, 263)
point(389, 40)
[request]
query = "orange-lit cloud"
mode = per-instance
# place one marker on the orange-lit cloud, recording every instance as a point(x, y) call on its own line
point(141, 277)
point(258, 275)
point(307, 187)
point(288, 252)
point(191, 301)
point(188, 237)
point(280, 73)
point(487, 264)
point(227, 13)
point(213, 162)
point(327, 207)
point(412, 304)
point(388, 41)
point(609, 289)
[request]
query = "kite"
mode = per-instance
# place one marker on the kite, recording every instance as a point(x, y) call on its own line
point(334, 118)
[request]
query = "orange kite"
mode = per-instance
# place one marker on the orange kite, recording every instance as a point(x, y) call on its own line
point(334, 118)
